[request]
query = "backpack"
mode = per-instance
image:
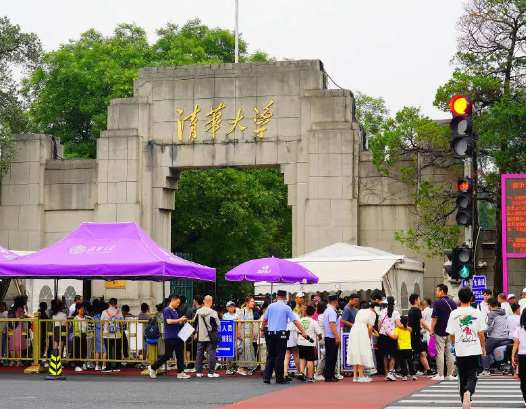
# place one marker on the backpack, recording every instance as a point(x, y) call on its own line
point(151, 332)
point(113, 327)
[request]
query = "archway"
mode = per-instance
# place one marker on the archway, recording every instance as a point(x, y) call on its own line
point(417, 290)
point(69, 295)
point(46, 295)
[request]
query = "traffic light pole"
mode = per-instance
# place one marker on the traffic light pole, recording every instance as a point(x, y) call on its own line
point(468, 230)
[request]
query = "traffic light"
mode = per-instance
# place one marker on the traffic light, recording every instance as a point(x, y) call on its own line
point(462, 266)
point(463, 141)
point(465, 202)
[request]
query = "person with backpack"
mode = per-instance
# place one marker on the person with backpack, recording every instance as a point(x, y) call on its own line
point(207, 337)
point(172, 342)
point(112, 335)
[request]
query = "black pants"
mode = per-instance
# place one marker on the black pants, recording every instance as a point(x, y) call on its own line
point(467, 367)
point(114, 350)
point(276, 347)
point(522, 374)
point(406, 356)
point(171, 345)
point(331, 355)
point(81, 349)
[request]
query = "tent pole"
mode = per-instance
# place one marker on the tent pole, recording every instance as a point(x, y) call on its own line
point(164, 306)
point(55, 288)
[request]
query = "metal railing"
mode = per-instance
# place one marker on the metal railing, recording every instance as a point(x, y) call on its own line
point(110, 342)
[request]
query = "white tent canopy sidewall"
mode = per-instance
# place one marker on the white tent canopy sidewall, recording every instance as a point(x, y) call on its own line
point(349, 268)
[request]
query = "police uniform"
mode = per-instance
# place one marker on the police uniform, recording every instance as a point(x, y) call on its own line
point(277, 316)
point(331, 349)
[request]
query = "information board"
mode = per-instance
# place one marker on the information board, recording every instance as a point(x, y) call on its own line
point(479, 285)
point(345, 339)
point(226, 347)
point(513, 201)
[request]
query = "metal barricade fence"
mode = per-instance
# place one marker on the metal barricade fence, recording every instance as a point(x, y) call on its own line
point(110, 342)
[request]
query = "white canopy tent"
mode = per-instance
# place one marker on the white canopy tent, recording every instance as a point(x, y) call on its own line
point(349, 268)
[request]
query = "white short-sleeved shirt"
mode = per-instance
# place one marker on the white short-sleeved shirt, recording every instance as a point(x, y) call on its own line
point(312, 328)
point(293, 337)
point(465, 323)
point(520, 334)
point(512, 322)
point(387, 325)
point(105, 316)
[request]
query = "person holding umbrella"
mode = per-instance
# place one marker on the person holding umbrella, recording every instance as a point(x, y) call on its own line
point(276, 317)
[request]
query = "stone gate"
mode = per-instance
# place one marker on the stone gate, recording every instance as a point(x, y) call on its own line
point(211, 116)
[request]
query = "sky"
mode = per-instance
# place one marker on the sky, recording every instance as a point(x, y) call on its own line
point(396, 49)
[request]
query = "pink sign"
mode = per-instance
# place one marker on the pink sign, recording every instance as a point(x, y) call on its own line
point(513, 196)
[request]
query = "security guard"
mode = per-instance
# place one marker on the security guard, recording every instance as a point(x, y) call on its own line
point(332, 338)
point(277, 316)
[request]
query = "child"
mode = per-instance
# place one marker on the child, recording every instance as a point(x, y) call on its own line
point(405, 353)
point(307, 349)
point(229, 316)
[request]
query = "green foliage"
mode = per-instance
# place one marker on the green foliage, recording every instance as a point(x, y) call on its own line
point(414, 149)
point(22, 50)
point(226, 217)
point(71, 91)
point(371, 113)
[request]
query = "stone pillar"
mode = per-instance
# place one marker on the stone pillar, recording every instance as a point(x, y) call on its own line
point(22, 199)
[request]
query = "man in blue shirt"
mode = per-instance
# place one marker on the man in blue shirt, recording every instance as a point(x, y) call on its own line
point(332, 338)
point(349, 313)
point(277, 317)
point(172, 342)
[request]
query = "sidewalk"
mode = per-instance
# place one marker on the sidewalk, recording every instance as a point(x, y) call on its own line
point(343, 394)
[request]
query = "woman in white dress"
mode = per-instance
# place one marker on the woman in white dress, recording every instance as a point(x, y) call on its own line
point(359, 352)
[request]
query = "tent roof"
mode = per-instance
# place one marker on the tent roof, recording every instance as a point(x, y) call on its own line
point(343, 264)
point(106, 251)
point(6, 255)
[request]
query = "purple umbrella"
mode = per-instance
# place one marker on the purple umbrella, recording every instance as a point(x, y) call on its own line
point(272, 270)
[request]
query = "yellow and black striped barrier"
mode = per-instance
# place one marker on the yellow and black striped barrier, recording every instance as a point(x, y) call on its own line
point(55, 367)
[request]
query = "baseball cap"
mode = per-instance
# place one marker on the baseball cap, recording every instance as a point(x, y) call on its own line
point(228, 304)
point(524, 290)
point(300, 294)
point(511, 296)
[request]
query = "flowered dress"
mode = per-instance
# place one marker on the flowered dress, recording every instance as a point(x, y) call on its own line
point(247, 331)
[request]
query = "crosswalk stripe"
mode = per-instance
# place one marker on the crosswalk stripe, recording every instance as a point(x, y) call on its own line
point(504, 393)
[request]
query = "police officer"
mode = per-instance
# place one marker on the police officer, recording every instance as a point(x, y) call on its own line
point(277, 316)
point(332, 338)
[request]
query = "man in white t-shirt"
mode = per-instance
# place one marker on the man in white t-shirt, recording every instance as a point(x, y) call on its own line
point(73, 307)
point(112, 334)
point(466, 326)
point(522, 301)
point(501, 298)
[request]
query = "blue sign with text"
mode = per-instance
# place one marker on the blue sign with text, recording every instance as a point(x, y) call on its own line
point(479, 285)
point(226, 347)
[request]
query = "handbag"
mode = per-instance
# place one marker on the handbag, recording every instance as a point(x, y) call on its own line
point(432, 348)
point(213, 334)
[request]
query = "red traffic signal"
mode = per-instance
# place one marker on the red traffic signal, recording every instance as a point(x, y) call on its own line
point(461, 105)
point(465, 185)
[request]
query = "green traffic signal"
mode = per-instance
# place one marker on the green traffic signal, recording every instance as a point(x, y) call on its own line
point(464, 272)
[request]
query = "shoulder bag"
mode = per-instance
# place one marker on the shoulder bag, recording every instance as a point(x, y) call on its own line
point(213, 334)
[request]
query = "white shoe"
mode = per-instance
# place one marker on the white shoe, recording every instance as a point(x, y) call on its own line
point(97, 368)
point(190, 370)
point(390, 377)
point(372, 371)
point(319, 378)
point(363, 380)
point(419, 373)
point(84, 367)
point(230, 372)
point(183, 376)
point(451, 378)
point(338, 376)
point(485, 373)
point(153, 374)
point(78, 369)
point(199, 375)
point(437, 378)
point(213, 375)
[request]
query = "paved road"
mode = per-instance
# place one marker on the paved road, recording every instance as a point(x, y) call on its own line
point(19, 391)
point(495, 392)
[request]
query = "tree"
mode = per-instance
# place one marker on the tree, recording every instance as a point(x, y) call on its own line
point(371, 113)
point(226, 217)
point(21, 50)
point(414, 150)
point(491, 68)
point(70, 93)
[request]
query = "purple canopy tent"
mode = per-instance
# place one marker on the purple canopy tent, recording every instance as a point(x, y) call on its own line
point(6, 255)
point(106, 251)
